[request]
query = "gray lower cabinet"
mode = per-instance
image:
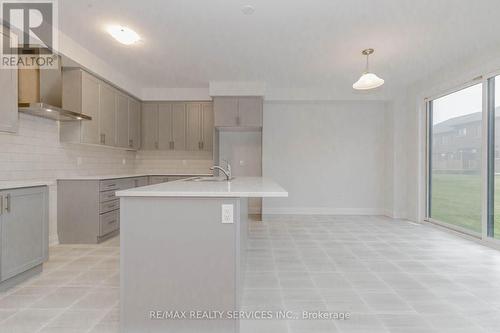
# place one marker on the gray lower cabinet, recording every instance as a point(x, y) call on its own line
point(88, 210)
point(23, 230)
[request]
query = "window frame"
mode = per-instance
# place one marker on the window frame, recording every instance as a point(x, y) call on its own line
point(428, 159)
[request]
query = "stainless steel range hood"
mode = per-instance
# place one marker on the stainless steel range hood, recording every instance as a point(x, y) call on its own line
point(51, 112)
point(40, 94)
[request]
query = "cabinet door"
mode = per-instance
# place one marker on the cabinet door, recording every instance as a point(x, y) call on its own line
point(149, 128)
point(193, 126)
point(250, 111)
point(134, 123)
point(225, 111)
point(107, 115)
point(165, 141)
point(179, 126)
point(122, 120)
point(24, 234)
point(90, 107)
point(8, 99)
point(207, 126)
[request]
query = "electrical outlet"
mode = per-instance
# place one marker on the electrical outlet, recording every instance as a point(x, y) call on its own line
point(227, 214)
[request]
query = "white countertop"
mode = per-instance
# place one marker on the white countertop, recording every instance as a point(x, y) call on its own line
point(104, 177)
point(253, 187)
point(5, 185)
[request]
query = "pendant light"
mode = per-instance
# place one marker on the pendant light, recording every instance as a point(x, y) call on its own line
point(368, 80)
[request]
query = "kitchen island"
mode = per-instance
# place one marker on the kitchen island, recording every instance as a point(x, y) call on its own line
point(182, 253)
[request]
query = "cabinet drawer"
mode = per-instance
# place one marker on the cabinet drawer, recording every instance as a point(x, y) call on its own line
point(110, 184)
point(109, 222)
point(107, 196)
point(109, 206)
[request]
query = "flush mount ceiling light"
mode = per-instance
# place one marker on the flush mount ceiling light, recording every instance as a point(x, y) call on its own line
point(123, 34)
point(368, 80)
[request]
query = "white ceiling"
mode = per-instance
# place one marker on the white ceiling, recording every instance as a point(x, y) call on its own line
point(285, 43)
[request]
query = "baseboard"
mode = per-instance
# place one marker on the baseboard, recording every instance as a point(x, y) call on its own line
point(321, 211)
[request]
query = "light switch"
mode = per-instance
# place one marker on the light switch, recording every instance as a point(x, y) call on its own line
point(227, 214)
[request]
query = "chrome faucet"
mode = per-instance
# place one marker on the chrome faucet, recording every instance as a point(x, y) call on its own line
point(226, 172)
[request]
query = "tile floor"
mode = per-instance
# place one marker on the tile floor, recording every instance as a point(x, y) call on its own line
point(390, 275)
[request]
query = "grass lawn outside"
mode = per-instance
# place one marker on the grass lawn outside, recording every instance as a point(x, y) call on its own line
point(456, 199)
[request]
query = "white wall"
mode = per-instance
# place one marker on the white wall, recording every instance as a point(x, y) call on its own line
point(330, 156)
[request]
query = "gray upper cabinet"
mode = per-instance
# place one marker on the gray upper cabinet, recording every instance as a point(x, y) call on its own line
point(80, 93)
point(200, 126)
point(107, 115)
point(193, 126)
point(8, 99)
point(226, 111)
point(116, 116)
point(238, 112)
point(179, 126)
point(134, 123)
point(165, 140)
point(121, 120)
point(24, 230)
point(89, 106)
point(207, 126)
point(149, 128)
point(250, 111)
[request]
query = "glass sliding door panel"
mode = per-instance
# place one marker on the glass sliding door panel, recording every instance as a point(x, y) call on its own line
point(495, 155)
point(455, 158)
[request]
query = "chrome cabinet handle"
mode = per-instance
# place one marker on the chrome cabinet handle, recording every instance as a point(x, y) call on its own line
point(7, 204)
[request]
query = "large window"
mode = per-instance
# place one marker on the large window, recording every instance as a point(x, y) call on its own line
point(494, 158)
point(455, 123)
